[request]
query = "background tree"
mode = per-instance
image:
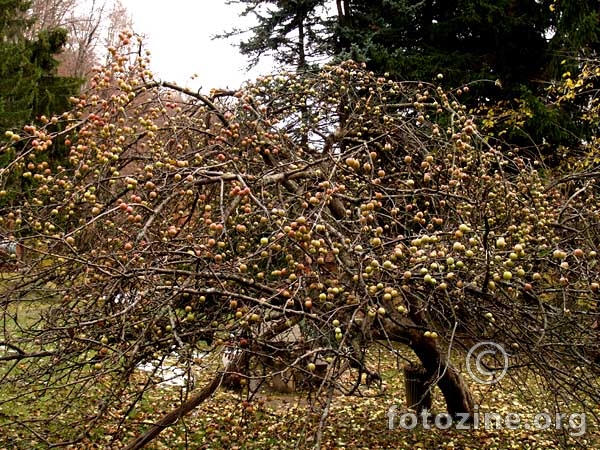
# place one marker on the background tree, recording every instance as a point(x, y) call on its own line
point(49, 50)
point(92, 27)
point(29, 86)
point(506, 52)
point(50, 14)
point(13, 22)
point(179, 225)
point(464, 40)
point(293, 32)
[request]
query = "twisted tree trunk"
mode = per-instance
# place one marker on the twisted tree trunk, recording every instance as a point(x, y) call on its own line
point(458, 397)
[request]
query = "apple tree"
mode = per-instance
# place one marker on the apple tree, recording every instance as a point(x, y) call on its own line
point(363, 211)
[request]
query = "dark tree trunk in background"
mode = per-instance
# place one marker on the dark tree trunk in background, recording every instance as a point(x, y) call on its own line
point(457, 395)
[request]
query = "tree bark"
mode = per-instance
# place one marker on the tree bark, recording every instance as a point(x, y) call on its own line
point(457, 394)
point(196, 399)
point(175, 415)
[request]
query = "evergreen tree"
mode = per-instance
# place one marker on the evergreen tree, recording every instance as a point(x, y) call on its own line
point(294, 32)
point(510, 43)
point(29, 86)
point(499, 48)
point(575, 32)
point(502, 41)
point(507, 51)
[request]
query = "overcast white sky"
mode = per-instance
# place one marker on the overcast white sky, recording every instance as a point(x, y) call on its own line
point(179, 37)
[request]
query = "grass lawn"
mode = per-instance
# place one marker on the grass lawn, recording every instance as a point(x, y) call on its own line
point(278, 421)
